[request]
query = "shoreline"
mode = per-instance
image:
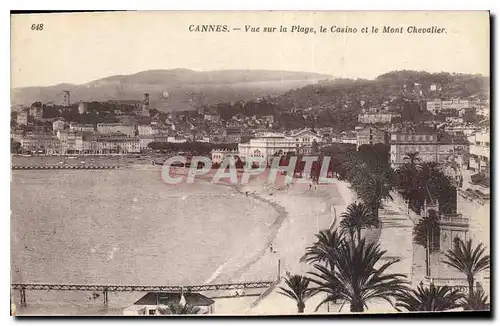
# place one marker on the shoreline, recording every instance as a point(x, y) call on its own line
point(295, 211)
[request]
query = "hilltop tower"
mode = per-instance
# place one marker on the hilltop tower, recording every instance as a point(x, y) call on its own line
point(66, 99)
point(145, 104)
point(82, 108)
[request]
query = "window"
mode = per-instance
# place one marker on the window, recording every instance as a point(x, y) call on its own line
point(456, 243)
point(152, 312)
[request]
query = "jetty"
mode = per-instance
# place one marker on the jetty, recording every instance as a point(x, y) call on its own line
point(23, 287)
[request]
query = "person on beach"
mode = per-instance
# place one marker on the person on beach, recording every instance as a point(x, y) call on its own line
point(271, 248)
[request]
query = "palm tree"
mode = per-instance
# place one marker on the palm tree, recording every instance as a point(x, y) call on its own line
point(355, 279)
point(357, 217)
point(323, 250)
point(477, 301)
point(297, 289)
point(468, 261)
point(374, 189)
point(432, 298)
point(175, 308)
point(412, 159)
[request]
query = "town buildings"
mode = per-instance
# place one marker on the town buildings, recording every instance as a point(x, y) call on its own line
point(437, 105)
point(40, 144)
point(36, 112)
point(370, 135)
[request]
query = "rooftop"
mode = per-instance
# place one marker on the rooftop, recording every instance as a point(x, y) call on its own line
point(164, 298)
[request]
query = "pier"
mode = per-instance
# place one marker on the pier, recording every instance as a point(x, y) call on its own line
point(22, 287)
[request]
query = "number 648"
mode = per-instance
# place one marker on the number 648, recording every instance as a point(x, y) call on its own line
point(37, 27)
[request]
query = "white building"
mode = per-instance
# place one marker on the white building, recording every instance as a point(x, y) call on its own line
point(437, 105)
point(58, 125)
point(267, 145)
point(372, 118)
point(113, 128)
point(82, 108)
point(220, 154)
point(153, 303)
point(22, 118)
point(479, 151)
point(81, 127)
point(145, 130)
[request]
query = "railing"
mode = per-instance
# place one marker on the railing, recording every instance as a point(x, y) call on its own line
point(140, 288)
point(454, 218)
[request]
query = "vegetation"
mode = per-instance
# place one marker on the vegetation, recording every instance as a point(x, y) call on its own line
point(174, 308)
point(297, 288)
point(424, 181)
point(322, 251)
point(15, 146)
point(468, 260)
point(357, 277)
point(356, 218)
point(198, 148)
point(477, 301)
point(432, 298)
point(427, 233)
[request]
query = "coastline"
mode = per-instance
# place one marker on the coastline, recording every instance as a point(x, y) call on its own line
point(300, 212)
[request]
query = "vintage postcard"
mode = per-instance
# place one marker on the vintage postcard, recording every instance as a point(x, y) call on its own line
point(250, 163)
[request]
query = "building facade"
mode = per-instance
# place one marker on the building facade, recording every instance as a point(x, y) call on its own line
point(115, 128)
point(428, 146)
point(370, 136)
point(268, 145)
point(22, 118)
point(372, 118)
point(437, 105)
point(220, 154)
point(479, 159)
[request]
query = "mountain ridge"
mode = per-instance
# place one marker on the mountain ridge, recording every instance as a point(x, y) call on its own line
point(187, 88)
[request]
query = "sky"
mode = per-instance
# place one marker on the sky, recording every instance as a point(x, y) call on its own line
point(81, 47)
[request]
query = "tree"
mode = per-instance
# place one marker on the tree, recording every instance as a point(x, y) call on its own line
point(323, 250)
point(477, 301)
point(412, 160)
point(15, 146)
point(426, 231)
point(375, 189)
point(469, 261)
point(432, 298)
point(355, 279)
point(297, 288)
point(357, 217)
point(175, 308)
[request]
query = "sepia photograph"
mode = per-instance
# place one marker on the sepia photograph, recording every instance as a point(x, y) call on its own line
point(250, 163)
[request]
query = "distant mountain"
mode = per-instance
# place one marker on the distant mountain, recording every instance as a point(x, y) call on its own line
point(173, 90)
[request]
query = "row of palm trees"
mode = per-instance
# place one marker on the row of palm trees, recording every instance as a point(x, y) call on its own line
point(350, 270)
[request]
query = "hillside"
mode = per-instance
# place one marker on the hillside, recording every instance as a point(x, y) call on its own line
point(186, 89)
